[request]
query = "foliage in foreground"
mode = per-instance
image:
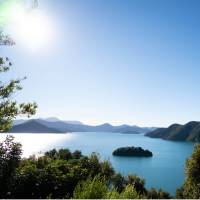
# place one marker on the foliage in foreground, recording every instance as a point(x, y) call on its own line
point(10, 108)
point(191, 186)
point(64, 174)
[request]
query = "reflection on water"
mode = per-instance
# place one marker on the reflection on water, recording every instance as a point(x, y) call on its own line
point(164, 170)
point(38, 143)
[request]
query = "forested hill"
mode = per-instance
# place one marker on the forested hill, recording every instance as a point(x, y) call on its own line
point(177, 132)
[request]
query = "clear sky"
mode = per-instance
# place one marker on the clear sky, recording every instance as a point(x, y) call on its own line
point(116, 61)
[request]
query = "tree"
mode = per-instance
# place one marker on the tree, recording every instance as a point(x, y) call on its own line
point(51, 154)
point(64, 154)
point(119, 182)
point(10, 151)
point(129, 193)
point(9, 108)
point(5, 39)
point(137, 183)
point(179, 193)
point(77, 154)
point(107, 170)
point(10, 155)
point(113, 194)
point(94, 164)
point(91, 189)
point(157, 194)
point(191, 187)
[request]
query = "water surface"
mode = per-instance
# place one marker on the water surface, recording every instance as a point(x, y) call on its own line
point(164, 170)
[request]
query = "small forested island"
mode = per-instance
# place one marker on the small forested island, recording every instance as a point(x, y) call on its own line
point(132, 151)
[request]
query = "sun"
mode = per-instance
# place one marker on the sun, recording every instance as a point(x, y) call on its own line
point(35, 29)
point(30, 27)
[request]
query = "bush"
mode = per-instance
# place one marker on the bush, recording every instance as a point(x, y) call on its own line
point(137, 183)
point(91, 189)
point(118, 182)
point(157, 194)
point(113, 194)
point(129, 193)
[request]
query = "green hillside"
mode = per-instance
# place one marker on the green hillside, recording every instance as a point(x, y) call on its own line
point(177, 132)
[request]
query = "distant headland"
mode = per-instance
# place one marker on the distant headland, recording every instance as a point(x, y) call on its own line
point(177, 132)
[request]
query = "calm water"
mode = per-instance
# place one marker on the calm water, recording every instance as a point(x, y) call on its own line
point(164, 170)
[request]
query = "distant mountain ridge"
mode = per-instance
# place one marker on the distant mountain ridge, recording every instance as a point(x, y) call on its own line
point(75, 126)
point(32, 126)
point(177, 132)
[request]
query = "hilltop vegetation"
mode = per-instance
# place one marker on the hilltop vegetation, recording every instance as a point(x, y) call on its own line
point(177, 132)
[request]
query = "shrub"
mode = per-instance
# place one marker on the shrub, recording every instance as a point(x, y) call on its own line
point(91, 189)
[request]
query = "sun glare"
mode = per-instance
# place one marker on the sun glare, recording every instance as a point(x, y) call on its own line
point(35, 29)
point(32, 27)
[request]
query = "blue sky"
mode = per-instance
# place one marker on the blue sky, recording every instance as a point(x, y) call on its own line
point(117, 61)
